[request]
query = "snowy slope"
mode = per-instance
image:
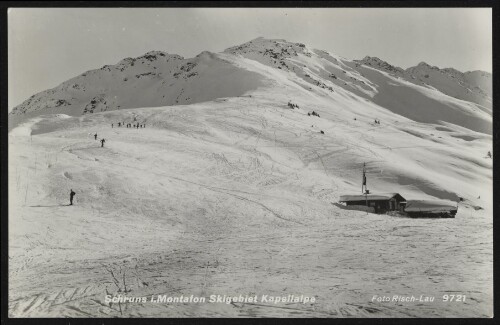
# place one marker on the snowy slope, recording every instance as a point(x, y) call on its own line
point(236, 197)
point(236, 194)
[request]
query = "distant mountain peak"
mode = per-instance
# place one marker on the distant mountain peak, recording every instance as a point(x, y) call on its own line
point(378, 63)
point(260, 43)
point(425, 65)
point(154, 55)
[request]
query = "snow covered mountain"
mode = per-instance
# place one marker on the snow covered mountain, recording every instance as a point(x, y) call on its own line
point(161, 79)
point(348, 95)
point(473, 86)
point(231, 188)
point(154, 79)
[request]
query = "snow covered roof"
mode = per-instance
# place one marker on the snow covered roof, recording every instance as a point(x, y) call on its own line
point(429, 206)
point(371, 197)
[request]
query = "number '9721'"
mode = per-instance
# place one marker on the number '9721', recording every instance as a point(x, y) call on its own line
point(457, 298)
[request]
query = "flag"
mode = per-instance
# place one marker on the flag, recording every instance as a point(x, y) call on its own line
point(364, 175)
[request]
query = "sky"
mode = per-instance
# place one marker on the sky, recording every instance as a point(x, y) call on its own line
point(47, 46)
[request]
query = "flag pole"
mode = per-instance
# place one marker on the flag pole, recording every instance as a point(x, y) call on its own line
point(364, 184)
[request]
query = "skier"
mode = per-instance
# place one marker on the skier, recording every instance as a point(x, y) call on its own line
point(111, 125)
point(95, 136)
point(119, 124)
point(71, 194)
point(489, 154)
point(102, 142)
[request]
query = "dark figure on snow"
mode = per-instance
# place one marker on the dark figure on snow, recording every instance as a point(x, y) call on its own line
point(322, 132)
point(119, 124)
point(111, 125)
point(71, 195)
point(95, 136)
point(489, 154)
point(102, 142)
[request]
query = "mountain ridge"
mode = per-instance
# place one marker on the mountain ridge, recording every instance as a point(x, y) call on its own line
point(158, 78)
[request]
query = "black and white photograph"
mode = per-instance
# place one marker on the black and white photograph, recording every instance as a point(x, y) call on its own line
point(231, 162)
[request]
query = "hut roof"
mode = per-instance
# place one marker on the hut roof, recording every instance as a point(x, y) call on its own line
point(371, 197)
point(429, 206)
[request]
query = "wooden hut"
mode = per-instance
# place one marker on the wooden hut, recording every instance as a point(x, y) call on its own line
point(381, 203)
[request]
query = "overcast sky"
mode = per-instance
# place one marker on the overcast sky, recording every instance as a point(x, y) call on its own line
point(47, 46)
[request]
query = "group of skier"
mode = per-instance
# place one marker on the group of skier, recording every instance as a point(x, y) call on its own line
point(120, 124)
point(102, 140)
point(130, 125)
